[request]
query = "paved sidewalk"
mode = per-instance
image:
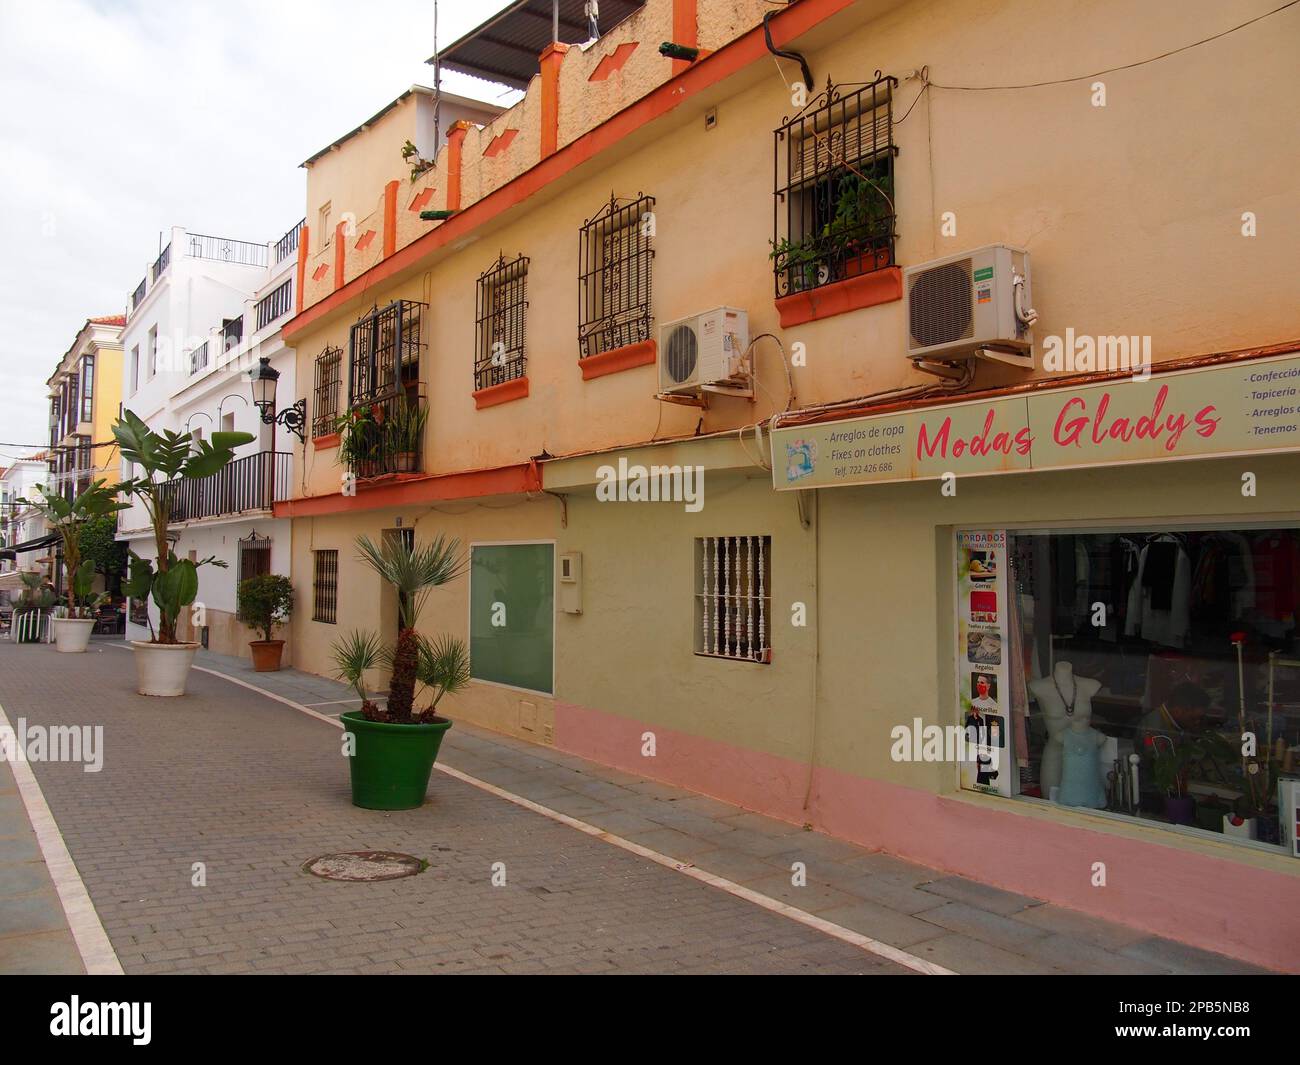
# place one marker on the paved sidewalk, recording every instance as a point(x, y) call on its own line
point(253, 789)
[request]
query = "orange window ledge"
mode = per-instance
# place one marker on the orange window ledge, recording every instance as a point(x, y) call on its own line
point(840, 297)
point(616, 360)
point(502, 393)
point(320, 443)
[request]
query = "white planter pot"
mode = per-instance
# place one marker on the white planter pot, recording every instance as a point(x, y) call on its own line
point(161, 668)
point(1248, 829)
point(72, 635)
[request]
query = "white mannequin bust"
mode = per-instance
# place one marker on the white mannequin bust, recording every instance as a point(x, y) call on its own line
point(1066, 700)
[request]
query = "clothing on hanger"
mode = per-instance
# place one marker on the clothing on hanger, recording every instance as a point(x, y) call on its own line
point(1160, 599)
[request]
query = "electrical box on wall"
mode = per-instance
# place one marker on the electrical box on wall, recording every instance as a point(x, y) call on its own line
point(571, 582)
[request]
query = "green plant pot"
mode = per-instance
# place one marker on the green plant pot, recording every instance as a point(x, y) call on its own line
point(391, 763)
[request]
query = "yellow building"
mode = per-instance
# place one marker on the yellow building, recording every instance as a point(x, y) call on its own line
point(932, 245)
point(85, 393)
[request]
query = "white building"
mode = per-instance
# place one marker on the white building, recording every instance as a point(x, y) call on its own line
point(207, 310)
point(22, 525)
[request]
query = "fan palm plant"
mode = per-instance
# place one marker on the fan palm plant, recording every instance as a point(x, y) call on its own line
point(413, 571)
point(353, 654)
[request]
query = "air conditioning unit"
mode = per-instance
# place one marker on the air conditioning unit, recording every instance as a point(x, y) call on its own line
point(703, 350)
point(965, 303)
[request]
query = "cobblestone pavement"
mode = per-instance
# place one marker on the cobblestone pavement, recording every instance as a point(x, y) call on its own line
point(253, 789)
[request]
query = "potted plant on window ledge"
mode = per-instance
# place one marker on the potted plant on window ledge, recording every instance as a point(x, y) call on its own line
point(69, 517)
point(405, 431)
point(392, 750)
point(265, 601)
point(163, 662)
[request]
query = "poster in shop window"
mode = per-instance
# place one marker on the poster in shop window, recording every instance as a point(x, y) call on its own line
point(983, 656)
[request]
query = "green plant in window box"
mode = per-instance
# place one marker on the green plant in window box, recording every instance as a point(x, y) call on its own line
point(405, 434)
point(860, 229)
point(801, 261)
point(361, 439)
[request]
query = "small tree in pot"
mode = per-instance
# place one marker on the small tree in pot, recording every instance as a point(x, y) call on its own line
point(69, 518)
point(163, 662)
point(264, 602)
point(393, 748)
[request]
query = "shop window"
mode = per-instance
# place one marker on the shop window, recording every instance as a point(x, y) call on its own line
point(325, 397)
point(733, 597)
point(834, 214)
point(615, 256)
point(325, 586)
point(512, 615)
point(1153, 673)
point(502, 303)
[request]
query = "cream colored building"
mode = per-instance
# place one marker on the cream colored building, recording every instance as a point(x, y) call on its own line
point(775, 636)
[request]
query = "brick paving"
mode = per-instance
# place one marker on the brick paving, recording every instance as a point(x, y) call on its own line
point(253, 789)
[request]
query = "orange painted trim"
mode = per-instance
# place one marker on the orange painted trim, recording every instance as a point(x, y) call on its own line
point(455, 143)
point(421, 198)
point(390, 218)
point(326, 440)
point(365, 240)
point(550, 61)
point(340, 254)
point(685, 30)
point(617, 360)
point(839, 297)
point(614, 62)
point(494, 395)
point(302, 269)
point(423, 488)
point(791, 23)
point(500, 143)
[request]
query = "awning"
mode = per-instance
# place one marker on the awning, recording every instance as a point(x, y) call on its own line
point(505, 48)
point(48, 540)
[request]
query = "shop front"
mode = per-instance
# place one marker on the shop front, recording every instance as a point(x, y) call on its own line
point(1116, 646)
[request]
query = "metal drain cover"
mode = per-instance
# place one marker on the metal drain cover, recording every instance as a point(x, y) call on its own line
point(364, 866)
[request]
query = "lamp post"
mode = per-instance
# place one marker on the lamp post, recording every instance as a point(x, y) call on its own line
point(263, 378)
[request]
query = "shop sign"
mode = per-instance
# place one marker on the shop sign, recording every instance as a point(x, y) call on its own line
point(1246, 408)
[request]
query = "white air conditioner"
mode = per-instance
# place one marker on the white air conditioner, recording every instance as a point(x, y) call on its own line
point(702, 350)
point(964, 303)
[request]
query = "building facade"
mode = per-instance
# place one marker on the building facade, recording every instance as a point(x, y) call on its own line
point(85, 395)
point(851, 526)
point(22, 525)
point(211, 311)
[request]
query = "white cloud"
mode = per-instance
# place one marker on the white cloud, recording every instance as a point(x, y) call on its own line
point(120, 120)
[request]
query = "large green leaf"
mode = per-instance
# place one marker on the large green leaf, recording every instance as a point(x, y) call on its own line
point(212, 456)
point(176, 587)
point(138, 585)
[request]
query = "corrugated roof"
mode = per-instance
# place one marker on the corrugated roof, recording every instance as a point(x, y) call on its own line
point(504, 49)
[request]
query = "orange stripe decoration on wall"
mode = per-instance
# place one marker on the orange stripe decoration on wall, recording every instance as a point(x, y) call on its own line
point(613, 62)
point(363, 242)
point(320, 271)
point(423, 197)
point(390, 218)
point(500, 143)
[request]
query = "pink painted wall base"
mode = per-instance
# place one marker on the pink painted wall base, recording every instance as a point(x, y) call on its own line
point(1212, 903)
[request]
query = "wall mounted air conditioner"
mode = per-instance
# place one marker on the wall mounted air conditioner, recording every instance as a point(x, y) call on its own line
point(964, 304)
point(703, 350)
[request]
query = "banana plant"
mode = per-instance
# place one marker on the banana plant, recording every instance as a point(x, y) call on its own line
point(172, 582)
point(68, 517)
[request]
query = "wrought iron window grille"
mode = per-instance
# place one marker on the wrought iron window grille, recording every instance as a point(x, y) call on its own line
point(834, 214)
point(615, 259)
point(325, 396)
point(501, 312)
point(384, 351)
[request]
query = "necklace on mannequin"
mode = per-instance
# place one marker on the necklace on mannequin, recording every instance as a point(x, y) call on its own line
point(1074, 695)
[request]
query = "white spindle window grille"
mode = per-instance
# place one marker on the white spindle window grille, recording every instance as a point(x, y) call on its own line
point(733, 604)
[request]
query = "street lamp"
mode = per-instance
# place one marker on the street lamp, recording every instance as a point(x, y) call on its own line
point(264, 377)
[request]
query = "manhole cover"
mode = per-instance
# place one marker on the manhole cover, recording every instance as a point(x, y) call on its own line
point(364, 865)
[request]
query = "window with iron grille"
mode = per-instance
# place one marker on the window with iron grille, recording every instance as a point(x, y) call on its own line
point(502, 305)
point(325, 405)
point(384, 351)
point(274, 304)
point(615, 256)
point(833, 211)
point(254, 556)
point(733, 597)
point(325, 587)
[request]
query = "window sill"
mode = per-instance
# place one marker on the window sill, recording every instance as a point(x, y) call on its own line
point(494, 395)
point(766, 660)
point(320, 443)
point(617, 360)
point(840, 297)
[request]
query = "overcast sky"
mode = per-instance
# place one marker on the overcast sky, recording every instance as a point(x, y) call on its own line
point(121, 119)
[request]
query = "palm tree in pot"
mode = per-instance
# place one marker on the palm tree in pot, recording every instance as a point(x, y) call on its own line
point(393, 748)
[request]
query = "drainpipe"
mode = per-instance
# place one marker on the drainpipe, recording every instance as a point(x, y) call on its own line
point(771, 47)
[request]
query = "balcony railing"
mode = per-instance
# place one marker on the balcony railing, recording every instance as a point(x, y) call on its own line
point(199, 358)
point(385, 435)
point(137, 297)
point(225, 250)
point(288, 244)
point(274, 305)
point(161, 263)
point(232, 333)
point(243, 485)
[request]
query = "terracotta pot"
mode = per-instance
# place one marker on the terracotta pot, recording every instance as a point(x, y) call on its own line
point(266, 655)
point(162, 668)
point(72, 635)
